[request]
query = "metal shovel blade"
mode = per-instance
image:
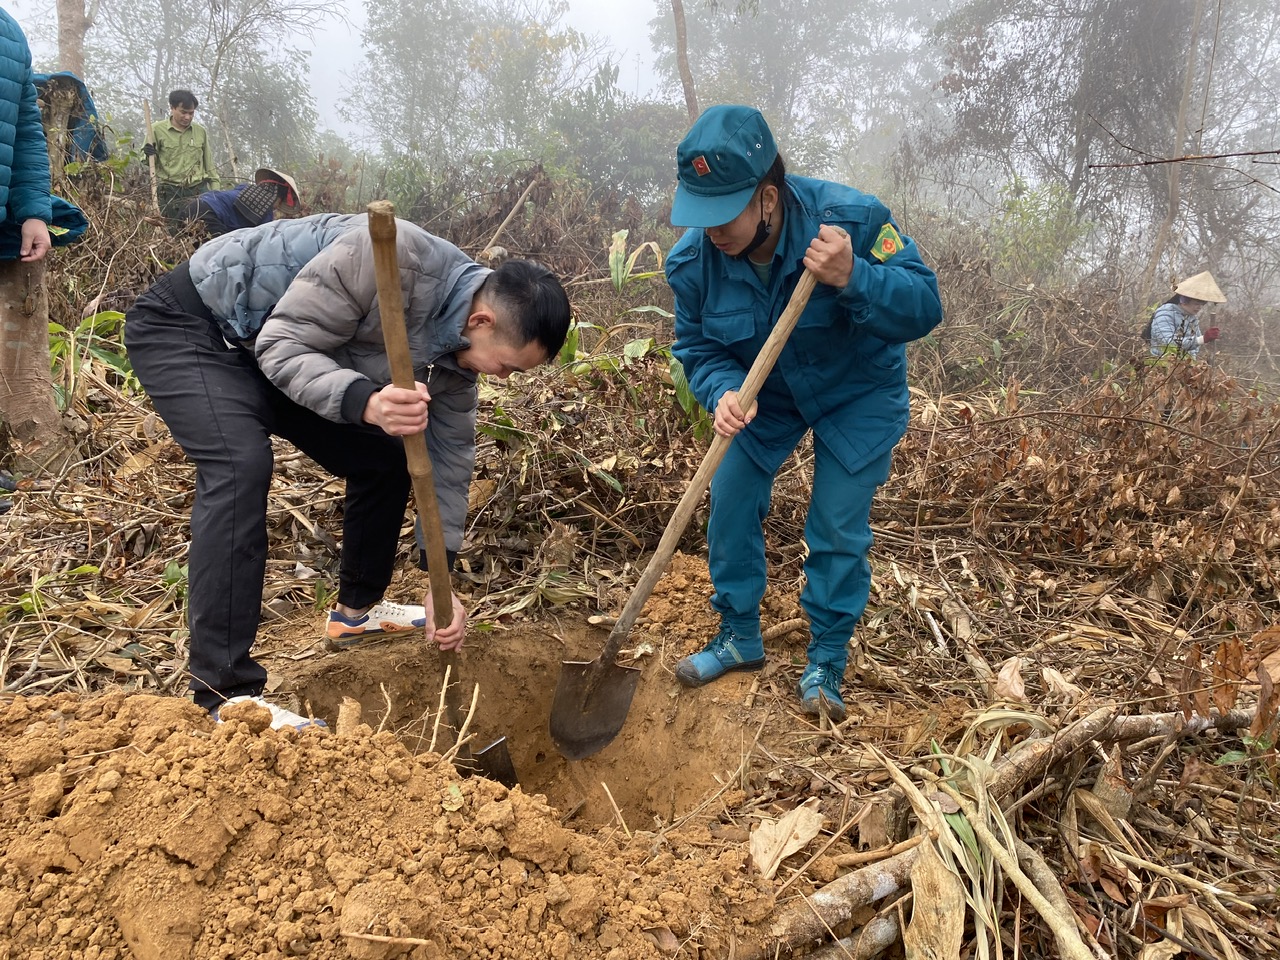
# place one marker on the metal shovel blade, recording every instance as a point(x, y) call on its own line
point(494, 762)
point(590, 706)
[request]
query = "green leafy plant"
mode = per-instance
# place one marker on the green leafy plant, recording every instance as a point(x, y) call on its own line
point(175, 575)
point(1035, 230)
point(622, 267)
point(325, 595)
point(499, 424)
point(35, 600)
point(1259, 756)
point(703, 422)
point(96, 339)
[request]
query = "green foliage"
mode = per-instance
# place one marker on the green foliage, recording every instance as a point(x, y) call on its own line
point(499, 424)
point(96, 339)
point(326, 595)
point(622, 268)
point(623, 274)
point(703, 422)
point(175, 574)
point(273, 117)
point(588, 350)
point(471, 82)
point(34, 601)
point(1034, 233)
point(127, 152)
point(1259, 759)
point(409, 91)
point(618, 143)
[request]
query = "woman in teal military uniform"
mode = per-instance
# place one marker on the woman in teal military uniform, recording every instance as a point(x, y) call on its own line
point(842, 375)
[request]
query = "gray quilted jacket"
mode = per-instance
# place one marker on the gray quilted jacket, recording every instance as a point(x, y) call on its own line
point(303, 294)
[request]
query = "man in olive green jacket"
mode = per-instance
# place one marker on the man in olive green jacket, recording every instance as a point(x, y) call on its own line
point(184, 161)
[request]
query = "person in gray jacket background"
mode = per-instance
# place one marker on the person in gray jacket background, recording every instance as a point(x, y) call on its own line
point(275, 331)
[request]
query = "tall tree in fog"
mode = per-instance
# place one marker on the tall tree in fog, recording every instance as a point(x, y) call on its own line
point(680, 49)
point(416, 82)
point(448, 79)
point(74, 22)
point(621, 145)
point(1045, 91)
point(835, 83)
point(525, 61)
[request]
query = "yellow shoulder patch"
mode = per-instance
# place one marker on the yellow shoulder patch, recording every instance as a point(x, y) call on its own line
point(887, 243)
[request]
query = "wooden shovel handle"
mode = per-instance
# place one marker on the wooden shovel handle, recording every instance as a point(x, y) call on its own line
point(151, 160)
point(756, 377)
point(382, 231)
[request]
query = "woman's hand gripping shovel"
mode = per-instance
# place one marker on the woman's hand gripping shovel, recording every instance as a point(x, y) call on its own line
point(592, 699)
point(494, 761)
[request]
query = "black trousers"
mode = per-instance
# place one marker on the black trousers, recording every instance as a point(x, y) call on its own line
point(223, 412)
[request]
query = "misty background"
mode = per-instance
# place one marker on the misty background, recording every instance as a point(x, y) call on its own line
point(1030, 139)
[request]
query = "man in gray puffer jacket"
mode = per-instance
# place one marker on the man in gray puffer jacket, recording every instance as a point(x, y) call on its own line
point(275, 331)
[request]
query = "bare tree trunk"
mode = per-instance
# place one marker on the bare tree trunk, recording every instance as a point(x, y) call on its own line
point(74, 22)
point(231, 151)
point(682, 60)
point(1175, 169)
point(27, 408)
point(59, 100)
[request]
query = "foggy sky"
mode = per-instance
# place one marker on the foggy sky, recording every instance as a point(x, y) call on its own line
point(623, 24)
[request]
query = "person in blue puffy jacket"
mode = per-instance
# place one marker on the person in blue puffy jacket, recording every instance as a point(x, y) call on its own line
point(1175, 327)
point(841, 375)
point(25, 205)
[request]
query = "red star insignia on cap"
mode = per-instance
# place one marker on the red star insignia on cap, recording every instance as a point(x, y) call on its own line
point(701, 166)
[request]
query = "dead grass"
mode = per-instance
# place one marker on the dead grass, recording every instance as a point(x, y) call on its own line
point(1102, 541)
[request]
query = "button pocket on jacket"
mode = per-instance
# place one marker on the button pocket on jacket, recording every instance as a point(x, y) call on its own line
point(729, 327)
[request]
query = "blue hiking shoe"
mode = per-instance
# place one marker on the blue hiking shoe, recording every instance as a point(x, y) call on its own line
point(726, 652)
point(819, 690)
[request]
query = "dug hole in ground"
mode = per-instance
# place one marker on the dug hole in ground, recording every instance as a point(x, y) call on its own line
point(133, 826)
point(1069, 658)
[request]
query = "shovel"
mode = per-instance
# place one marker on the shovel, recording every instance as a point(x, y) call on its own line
point(592, 699)
point(494, 761)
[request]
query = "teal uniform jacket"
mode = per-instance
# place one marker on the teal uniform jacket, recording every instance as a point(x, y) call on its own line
point(843, 372)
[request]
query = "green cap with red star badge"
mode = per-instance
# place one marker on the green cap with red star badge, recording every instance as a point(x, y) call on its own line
point(722, 158)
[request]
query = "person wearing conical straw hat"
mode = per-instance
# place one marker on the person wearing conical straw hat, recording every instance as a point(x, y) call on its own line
point(246, 205)
point(1176, 323)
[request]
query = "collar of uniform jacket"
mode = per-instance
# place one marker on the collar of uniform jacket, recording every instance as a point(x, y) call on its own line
point(799, 226)
point(447, 332)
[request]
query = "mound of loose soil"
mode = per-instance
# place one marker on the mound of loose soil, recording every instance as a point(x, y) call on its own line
point(135, 827)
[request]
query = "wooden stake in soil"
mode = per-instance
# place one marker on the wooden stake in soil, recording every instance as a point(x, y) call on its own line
point(349, 713)
point(382, 231)
point(151, 160)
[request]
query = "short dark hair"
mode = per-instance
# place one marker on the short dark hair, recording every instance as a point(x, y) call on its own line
point(533, 297)
point(777, 172)
point(183, 98)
